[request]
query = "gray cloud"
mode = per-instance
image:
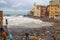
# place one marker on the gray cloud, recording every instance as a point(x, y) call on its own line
point(21, 4)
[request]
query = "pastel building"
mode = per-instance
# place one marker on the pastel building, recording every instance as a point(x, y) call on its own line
point(39, 10)
point(53, 10)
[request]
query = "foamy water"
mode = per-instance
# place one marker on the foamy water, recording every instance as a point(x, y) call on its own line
point(24, 22)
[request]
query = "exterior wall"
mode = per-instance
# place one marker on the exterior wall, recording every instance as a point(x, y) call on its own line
point(52, 9)
point(1, 18)
point(36, 12)
point(43, 11)
point(39, 11)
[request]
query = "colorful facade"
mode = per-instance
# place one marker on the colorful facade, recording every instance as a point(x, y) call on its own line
point(39, 10)
point(36, 11)
point(53, 9)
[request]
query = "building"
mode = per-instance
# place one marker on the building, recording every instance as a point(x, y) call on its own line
point(39, 10)
point(54, 10)
point(36, 11)
point(1, 18)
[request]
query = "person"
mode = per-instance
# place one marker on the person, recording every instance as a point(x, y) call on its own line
point(4, 36)
point(2, 33)
point(39, 38)
point(6, 22)
point(27, 36)
point(10, 36)
point(54, 37)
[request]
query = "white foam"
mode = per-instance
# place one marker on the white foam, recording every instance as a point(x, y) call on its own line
point(20, 19)
point(24, 21)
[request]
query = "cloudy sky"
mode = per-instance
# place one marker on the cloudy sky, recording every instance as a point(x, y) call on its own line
point(19, 6)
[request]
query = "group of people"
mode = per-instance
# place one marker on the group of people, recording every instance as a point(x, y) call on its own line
point(3, 31)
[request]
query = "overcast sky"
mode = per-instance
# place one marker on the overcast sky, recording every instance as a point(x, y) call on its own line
point(19, 6)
